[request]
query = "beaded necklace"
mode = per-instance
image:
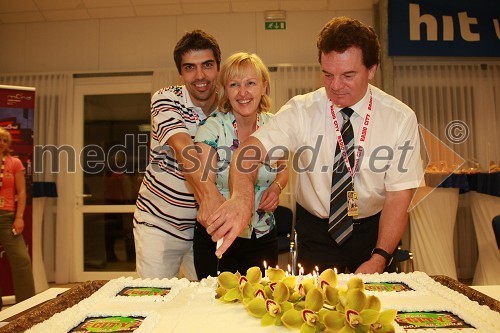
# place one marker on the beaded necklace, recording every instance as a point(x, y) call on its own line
point(2, 168)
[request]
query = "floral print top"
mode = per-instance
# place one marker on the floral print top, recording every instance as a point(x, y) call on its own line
point(217, 131)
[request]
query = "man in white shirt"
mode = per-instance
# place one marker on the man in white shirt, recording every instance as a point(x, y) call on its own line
point(384, 171)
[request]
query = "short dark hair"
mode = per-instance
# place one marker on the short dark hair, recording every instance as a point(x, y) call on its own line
point(196, 40)
point(341, 33)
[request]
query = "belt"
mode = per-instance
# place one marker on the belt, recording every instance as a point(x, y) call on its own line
point(306, 213)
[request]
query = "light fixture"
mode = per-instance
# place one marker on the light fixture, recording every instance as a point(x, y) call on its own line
point(275, 15)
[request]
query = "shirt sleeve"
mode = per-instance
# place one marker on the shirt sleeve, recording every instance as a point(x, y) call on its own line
point(17, 165)
point(167, 116)
point(280, 134)
point(405, 168)
point(208, 133)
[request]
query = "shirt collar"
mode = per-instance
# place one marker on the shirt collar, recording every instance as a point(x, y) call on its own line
point(361, 107)
point(189, 104)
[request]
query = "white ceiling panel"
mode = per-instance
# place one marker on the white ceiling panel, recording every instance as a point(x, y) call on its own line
point(206, 8)
point(204, 1)
point(9, 6)
point(111, 12)
point(298, 5)
point(22, 17)
point(154, 2)
point(62, 15)
point(255, 6)
point(22, 11)
point(59, 4)
point(107, 3)
point(159, 10)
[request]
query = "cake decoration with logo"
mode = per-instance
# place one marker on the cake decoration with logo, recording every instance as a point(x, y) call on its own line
point(434, 320)
point(144, 291)
point(386, 286)
point(108, 324)
point(141, 290)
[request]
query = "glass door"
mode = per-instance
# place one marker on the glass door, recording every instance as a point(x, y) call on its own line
point(112, 141)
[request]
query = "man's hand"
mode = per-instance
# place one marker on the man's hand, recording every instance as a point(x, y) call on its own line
point(208, 205)
point(376, 264)
point(228, 221)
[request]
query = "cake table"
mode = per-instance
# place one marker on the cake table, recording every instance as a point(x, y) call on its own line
point(29, 318)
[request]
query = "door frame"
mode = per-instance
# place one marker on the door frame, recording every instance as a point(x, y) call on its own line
point(83, 87)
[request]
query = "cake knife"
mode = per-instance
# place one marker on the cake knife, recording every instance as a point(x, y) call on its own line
point(219, 243)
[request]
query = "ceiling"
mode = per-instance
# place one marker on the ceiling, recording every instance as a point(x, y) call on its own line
point(25, 11)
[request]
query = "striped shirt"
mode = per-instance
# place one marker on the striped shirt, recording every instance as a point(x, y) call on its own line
point(166, 200)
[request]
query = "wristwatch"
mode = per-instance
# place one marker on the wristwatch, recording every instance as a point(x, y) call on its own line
point(387, 256)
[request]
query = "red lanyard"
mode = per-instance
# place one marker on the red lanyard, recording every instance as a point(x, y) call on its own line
point(361, 141)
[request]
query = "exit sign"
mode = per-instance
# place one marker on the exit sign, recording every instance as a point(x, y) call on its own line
point(276, 25)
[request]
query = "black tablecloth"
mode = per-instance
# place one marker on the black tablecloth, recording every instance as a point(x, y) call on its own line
point(486, 183)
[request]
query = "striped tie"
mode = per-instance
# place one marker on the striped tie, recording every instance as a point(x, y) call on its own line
point(339, 223)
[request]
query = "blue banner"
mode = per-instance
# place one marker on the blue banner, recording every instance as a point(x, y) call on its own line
point(451, 28)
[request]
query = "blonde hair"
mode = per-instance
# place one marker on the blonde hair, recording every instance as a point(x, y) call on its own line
point(6, 134)
point(234, 67)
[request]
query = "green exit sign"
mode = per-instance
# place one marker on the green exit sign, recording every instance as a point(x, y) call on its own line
point(276, 25)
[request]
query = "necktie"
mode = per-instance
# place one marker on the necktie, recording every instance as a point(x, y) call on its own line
point(339, 223)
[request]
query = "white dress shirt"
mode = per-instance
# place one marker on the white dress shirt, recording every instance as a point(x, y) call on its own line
point(391, 159)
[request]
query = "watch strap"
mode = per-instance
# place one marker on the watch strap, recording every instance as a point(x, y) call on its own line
point(387, 256)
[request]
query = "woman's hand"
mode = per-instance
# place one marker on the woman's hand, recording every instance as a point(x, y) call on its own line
point(18, 226)
point(270, 198)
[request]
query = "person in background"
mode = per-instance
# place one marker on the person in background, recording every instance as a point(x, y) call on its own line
point(12, 184)
point(244, 105)
point(379, 160)
point(166, 206)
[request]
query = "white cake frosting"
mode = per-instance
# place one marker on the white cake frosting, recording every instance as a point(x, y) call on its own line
point(192, 307)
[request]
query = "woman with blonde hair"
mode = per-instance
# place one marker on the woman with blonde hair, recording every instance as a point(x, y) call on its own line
point(244, 105)
point(12, 185)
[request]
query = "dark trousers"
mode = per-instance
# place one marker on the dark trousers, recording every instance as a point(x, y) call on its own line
point(317, 248)
point(19, 258)
point(241, 255)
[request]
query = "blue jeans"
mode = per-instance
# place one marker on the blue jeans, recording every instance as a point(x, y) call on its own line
point(18, 256)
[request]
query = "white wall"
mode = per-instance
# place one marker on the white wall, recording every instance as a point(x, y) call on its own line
point(127, 44)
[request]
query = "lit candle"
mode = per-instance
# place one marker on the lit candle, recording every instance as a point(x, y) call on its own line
point(289, 269)
point(265, 269)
